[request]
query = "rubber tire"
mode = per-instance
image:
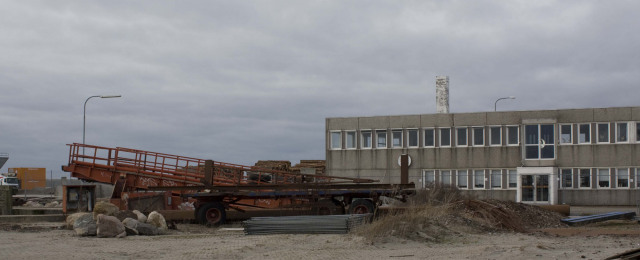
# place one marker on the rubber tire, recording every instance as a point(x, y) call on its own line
point(362, 206)
point(212, 206)
point(327, 207)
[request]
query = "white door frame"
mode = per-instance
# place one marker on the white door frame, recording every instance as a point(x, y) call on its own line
point(553, 183)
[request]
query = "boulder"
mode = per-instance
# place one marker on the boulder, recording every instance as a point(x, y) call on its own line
point(85, 225)
point(105, 208)
point(141, 217)
point(110, 226)
point(71, 219)
point(123, 214)
point(156, 219)
point(145, 229)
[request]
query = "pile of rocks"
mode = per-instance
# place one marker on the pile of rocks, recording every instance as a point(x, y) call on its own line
point(107, 220)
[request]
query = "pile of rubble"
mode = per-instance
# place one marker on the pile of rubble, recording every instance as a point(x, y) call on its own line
point(107, 220)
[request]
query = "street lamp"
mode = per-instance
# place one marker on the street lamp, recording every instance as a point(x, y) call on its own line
point(495, 105)
point(84, 119)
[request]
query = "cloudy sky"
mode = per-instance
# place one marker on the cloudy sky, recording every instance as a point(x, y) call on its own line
point(241, 81)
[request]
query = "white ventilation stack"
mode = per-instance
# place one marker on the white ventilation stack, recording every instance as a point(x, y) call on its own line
point(442, 94)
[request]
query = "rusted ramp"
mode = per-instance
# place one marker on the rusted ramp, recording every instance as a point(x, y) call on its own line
point(598, 218)
point(631, 254)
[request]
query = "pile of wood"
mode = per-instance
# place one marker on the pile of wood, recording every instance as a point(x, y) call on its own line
point(274, 165)
point(310, 166)
point(318, 165)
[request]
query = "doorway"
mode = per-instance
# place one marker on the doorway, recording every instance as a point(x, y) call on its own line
point(535, 188)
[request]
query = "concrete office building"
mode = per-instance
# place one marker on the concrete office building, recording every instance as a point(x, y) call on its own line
point(569, 156)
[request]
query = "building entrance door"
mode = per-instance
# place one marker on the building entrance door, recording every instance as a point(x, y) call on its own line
point(535, 188)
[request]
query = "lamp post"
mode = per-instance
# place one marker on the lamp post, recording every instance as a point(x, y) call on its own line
point(495, 105)
point(84, 119)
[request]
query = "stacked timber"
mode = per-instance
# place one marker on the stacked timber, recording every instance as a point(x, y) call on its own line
point(326, 224)
point(316, 166)
point(274, 165)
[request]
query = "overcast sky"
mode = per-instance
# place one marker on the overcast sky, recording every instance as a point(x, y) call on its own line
point(241, 81)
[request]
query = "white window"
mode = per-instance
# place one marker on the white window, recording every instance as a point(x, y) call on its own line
point(622, 132)
point(584, 133)
point(462, 179)
point(445, 177)
point(336, 140)
point(585, 178)
point(566, 177)
point(350, 139)
point(478, 179)
point(478, 136)
point(381, 139)
point(413, 138)
point(539, 141)
point(396, 138)
point(366, 139)
point(428, 178)
point(495, 135)
point(429, 137)
point(461, 136)
point(603, 133)
point(622, 178)
point(637, 132)
point(513, 178)
point(603, 178)
point(566, 136)
point(496, 179)
point(513, 135)
point(445, 137)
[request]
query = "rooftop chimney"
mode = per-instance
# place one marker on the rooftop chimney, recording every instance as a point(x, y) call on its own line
point(442, 94)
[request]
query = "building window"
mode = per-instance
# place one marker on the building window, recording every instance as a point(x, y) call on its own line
point(622, 178)
point(336, 140)
point(381, 139)
point(461, 136)
point(566, 178)
point(603, 178)
point(428, 177)
point(584, 133)
point(365, 139)
point(495, 135)
point(462, 179)
point(478, 136)
point(513, 178)
point(637, 132)
point(603, 133)
point(445, 137)
point(478, 179)
point(585, 178)
point(513, 137)
point(445, 177)
point(413, 138)
point(566, 134)
point(396, 138)
point(496, 179)
point(539, 142)
point(622, 133)
point(351, 139)
point(429, 138)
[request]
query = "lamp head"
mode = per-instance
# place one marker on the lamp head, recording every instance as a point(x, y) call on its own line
point(112, 96)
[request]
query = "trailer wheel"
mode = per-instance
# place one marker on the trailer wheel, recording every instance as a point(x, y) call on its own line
point(328, 207)
point(361, 206)
point(212, 214)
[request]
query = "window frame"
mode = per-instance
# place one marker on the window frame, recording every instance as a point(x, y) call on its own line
point(562, 180)
point(440, 137)
point(617, 133)
point(608, 178)
point(515, 171)
point(560, 140)
point(598, 133)
point(539, 134)
point(386, 136)
point(637, 125)
point(474, 179)
point(473, 136)
point(417, 131)
point(491, 174)
point(628, 178)
point(397, 130)
point(466, 179)
point(362, 139)
point(433, 137)
point(491, 135)
point(450, 179)
point(580, 178)
point(425, 175)
point(509, 135)
point(346, 139)
point(466, 136)
point(331, 134)
point(579, 132)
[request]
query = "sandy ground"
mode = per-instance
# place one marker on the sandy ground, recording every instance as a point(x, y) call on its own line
point(45, 241)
